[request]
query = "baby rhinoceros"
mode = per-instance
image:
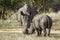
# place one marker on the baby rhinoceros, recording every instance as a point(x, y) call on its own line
point(42, 23)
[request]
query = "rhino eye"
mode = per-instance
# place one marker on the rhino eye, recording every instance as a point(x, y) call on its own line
point(23, 14)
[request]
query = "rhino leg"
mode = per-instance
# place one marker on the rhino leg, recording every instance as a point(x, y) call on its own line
point(48, 32)
point(25, 31)
point(39, 31)
point(33, 30)
point(44, 32)
point(49, 28)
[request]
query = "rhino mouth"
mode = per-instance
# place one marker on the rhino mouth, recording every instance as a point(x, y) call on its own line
point(29, 31)
point(25, 31)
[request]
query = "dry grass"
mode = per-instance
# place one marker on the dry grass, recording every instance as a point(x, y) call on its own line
point(12, 23)
point(19, 36)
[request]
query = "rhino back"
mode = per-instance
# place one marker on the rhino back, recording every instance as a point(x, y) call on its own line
point(45, 21)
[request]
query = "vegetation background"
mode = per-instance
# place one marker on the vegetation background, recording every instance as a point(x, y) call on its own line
point(7, 6)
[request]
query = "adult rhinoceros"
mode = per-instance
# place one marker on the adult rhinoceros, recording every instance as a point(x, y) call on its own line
point(40, 23)
point(25, 15)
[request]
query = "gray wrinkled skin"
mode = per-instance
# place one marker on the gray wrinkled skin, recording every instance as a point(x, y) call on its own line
point(25, 15)
point(42, 23)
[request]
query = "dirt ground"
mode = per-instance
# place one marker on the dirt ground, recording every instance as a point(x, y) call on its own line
point(16, 34)
point(20, 31)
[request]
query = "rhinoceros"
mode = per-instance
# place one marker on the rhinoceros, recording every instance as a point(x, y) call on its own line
point(41, 23)
point(25, 15)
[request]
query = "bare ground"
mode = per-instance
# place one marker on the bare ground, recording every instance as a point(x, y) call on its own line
point(16, 34)
point(19, 30)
